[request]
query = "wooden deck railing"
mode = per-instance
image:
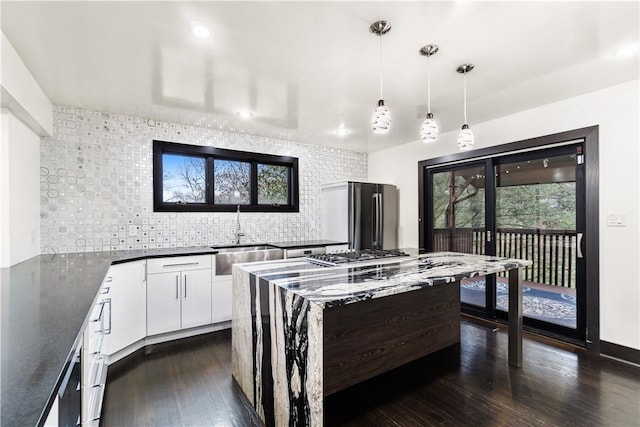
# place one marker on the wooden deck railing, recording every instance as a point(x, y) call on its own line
point(552, 251)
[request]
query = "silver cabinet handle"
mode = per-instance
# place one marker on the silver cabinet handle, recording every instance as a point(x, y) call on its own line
point(106, 330)
point(185, 285)
point(180, 264)
point(177, 289)
point(579, 245)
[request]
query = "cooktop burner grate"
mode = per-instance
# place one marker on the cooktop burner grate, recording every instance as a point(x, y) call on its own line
point(354, 256)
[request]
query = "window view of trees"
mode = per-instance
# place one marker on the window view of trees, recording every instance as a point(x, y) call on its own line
point(458, 202)
point(273, 185)
point(458, 198)
point(549, 206)
point(231, 182)
point(535, 215)
point(192, 178)
point(183, 179)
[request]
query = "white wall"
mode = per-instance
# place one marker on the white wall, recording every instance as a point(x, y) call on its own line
point(26, 114)
point(616, 110)
point(19, 191)
point(21, 93)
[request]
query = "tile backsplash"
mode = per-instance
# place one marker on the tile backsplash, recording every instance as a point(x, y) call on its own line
point(96, 185)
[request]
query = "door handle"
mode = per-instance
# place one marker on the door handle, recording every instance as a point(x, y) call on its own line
point(185, 285)
point(376, 220)
point(177, 287)
point(579, 245)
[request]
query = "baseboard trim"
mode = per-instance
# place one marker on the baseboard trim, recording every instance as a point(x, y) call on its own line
point(620, 352)
point(153, 340)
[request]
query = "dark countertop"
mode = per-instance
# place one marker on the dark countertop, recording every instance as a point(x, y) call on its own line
point(44, 305)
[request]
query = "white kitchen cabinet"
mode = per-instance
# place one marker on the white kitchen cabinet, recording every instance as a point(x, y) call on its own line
point(128, 304)
point(178, 293)
point(221, 302)
point(163, 303)
point(196, 298)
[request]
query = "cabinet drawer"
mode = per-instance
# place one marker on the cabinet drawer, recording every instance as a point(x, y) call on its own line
point(181, 263)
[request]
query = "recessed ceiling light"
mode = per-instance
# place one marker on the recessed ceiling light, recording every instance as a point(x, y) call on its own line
point(199, 30)
point(244, 114)
point(342, 131)
point(626, 51)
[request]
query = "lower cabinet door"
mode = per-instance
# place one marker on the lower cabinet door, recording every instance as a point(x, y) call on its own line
point(163, 302)
point(196, 298)
point(128, 304)
point(222, 298)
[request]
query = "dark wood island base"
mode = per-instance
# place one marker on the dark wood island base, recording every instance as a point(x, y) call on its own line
point(374, 336)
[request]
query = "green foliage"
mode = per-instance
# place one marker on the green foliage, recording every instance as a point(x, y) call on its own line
point(544, 206)
point(272, 184)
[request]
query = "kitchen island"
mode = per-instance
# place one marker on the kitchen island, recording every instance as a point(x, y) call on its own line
point(301, 332)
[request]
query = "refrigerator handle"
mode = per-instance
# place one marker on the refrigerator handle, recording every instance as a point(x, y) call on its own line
point(376, 220)
point(353, 221)
point(380, 225)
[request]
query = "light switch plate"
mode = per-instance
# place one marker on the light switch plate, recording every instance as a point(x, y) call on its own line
point(616, 220)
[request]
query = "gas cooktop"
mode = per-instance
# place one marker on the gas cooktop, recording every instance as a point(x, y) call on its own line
point(354, 256)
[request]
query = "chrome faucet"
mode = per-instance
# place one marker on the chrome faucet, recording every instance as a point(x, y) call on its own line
point(239, 233)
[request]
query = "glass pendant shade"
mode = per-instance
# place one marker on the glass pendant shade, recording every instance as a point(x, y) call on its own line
point(465, 139)
point(429, 131)
point(381, 121)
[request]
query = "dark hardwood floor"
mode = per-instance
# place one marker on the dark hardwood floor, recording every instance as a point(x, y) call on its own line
point(189, 383)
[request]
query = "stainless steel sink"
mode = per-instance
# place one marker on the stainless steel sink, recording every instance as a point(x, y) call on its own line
point(227, 249)
point(227, 256)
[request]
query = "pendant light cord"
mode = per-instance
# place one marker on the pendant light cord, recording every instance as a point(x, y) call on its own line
point(380, 58)
point(428, 85)
point(465, 97)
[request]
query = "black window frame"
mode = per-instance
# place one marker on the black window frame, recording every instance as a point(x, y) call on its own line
point(210, 154)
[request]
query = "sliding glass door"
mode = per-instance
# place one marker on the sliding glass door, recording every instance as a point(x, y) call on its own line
point(459, 221)
point(527, 205)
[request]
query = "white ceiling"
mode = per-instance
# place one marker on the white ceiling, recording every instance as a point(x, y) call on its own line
point(307, 67)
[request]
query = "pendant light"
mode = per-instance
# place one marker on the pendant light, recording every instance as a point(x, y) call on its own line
point(465, 139)
point(429, 130)
point(381, 120)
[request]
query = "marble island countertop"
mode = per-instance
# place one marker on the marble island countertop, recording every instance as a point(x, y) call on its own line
point(349, 283)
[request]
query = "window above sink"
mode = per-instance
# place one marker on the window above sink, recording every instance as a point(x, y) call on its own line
point(192, 178)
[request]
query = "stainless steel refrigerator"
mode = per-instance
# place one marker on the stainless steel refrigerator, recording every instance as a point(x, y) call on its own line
point(362, 213)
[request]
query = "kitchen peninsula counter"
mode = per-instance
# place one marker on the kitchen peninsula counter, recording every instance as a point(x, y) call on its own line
point(301, 332)
point(44, 306)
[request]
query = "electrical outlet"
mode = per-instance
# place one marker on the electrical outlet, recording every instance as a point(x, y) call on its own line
point(616, 220)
